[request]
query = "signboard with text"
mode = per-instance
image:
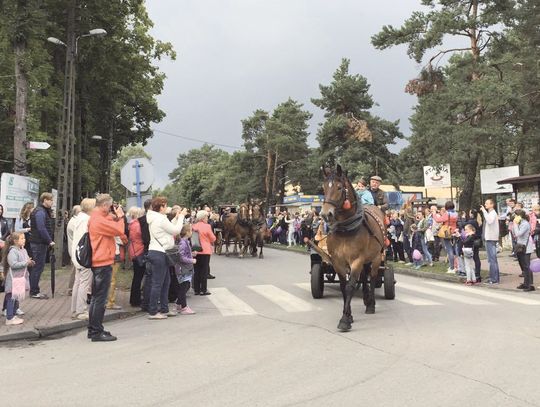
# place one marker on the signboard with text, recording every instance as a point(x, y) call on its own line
point(15, 191)
point(438, 177)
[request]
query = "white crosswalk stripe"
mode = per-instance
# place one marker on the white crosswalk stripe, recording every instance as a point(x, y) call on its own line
point(229, 304)
point(516, 298)
point(282, 298)
point(441, 294)
point(411, 300)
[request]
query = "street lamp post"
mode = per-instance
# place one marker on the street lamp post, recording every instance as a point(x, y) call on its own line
point(66, 139)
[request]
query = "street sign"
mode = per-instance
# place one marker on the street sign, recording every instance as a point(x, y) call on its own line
point(38, 145)
point(15, 191)
point(437, 176)
point(145, 175)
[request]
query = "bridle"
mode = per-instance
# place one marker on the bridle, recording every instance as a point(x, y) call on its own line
point(343, 198)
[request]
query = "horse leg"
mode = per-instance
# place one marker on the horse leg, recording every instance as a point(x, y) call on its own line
point(370, 307)
point(346, 321)
point(365, 284)
point(261, 255)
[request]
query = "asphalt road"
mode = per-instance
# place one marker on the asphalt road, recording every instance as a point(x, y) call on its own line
point(261, 340)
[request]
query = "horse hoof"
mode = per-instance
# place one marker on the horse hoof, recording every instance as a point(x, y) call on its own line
point(370, 310)
point(351, 319)
point(344, 324)
point(261, 257)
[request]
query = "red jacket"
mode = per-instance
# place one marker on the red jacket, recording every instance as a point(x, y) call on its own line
point(103, 229)
point(206, 237)
point(448, 219)
point(136, 244)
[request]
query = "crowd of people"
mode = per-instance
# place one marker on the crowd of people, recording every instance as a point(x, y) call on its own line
point(170, 248)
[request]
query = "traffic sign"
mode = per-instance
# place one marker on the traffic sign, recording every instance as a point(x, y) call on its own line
point(137, 175)
point(38, 145)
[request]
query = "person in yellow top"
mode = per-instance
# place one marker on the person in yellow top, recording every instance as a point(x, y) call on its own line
point(320, 236)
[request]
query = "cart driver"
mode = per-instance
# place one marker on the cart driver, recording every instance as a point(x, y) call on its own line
point(379, 197)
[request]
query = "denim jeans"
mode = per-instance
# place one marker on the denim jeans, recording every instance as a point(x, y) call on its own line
point(100, 292)
point(161, 279)
point(449, 248)
point(525, 263)
point(427, 254)
point(11, 306)
point(39, 251)
point(491, 249)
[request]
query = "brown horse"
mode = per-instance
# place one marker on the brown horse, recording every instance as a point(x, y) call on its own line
point(355, 242)
point(259, 229)
point(237, 227)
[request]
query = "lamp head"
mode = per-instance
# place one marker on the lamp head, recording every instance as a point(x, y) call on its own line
point(55, 41)
point(97, 32)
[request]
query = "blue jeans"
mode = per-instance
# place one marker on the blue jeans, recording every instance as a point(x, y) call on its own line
point(491, 249)
point(161, 279)
point(11, 306)
point(100, 293)
point(427, 254)
point(39, 251)
point(449, 248)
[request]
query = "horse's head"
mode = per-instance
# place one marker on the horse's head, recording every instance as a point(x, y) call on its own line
point(243, 212)
point(339, 195)
point(256, 212)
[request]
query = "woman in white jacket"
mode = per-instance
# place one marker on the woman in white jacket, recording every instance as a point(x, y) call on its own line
point(83, 276)
point(162, 232)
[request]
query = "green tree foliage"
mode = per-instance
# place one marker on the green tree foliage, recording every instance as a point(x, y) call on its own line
point(117, 83)
point(347, 100)
point(481, 109)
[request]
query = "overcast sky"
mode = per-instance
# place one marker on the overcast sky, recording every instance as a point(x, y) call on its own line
point(235, 56)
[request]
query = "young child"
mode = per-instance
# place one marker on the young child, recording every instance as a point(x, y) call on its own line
point(16, 262)
point(416, 245)
point(184, 271)
point(363, 194)
point(468, 252)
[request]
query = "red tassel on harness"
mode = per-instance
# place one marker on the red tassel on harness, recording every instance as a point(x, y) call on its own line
point(346, 204)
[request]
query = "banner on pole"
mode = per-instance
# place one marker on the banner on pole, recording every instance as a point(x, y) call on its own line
point(15, 191)
point(437, 176)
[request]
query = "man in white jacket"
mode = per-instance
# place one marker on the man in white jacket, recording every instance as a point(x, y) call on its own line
point(83, 276)
point(491, 237)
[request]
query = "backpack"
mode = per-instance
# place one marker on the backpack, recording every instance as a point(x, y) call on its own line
point(83, 251)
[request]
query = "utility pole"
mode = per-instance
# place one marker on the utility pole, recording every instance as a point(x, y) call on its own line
point(66, 129)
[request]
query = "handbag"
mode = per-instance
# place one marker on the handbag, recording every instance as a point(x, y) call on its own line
point(172, 255)
point(444, 232)
point(196, 242)
point(139, 260)
point(520, 248)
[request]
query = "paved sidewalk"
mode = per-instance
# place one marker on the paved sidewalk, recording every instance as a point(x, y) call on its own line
point(49, 317)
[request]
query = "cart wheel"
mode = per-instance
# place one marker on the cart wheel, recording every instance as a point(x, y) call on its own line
point(389, 283)
point(219, 243)
point(317, 280)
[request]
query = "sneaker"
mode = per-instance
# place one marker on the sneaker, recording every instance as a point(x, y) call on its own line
point(14, 321)
point(4, 313)
point(450, 271)
point(528, 289)
point(187, 311)
point(417, 267)
point(19, 312)
point(114, 307)
point(157, 316)
point(172, 312)
point(83, 316)
point(408, 264)
point(40, 296)
point(401, 262)
point(431, 264)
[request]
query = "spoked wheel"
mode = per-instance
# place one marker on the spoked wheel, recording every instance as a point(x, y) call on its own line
point(389, 283)
point(219, 243)
point(317, 280)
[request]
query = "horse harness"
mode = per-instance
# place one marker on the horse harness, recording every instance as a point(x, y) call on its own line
point(352, 224)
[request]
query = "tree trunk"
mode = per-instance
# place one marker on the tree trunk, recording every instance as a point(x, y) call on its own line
point(274, 178)
point(21, 106)
point(267, 178)
point(466, 197)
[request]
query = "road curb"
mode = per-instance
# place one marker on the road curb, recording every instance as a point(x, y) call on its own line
point(40, 332)
point(20, 336)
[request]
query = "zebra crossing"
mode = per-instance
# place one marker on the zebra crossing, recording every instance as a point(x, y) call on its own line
point(296, 298)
